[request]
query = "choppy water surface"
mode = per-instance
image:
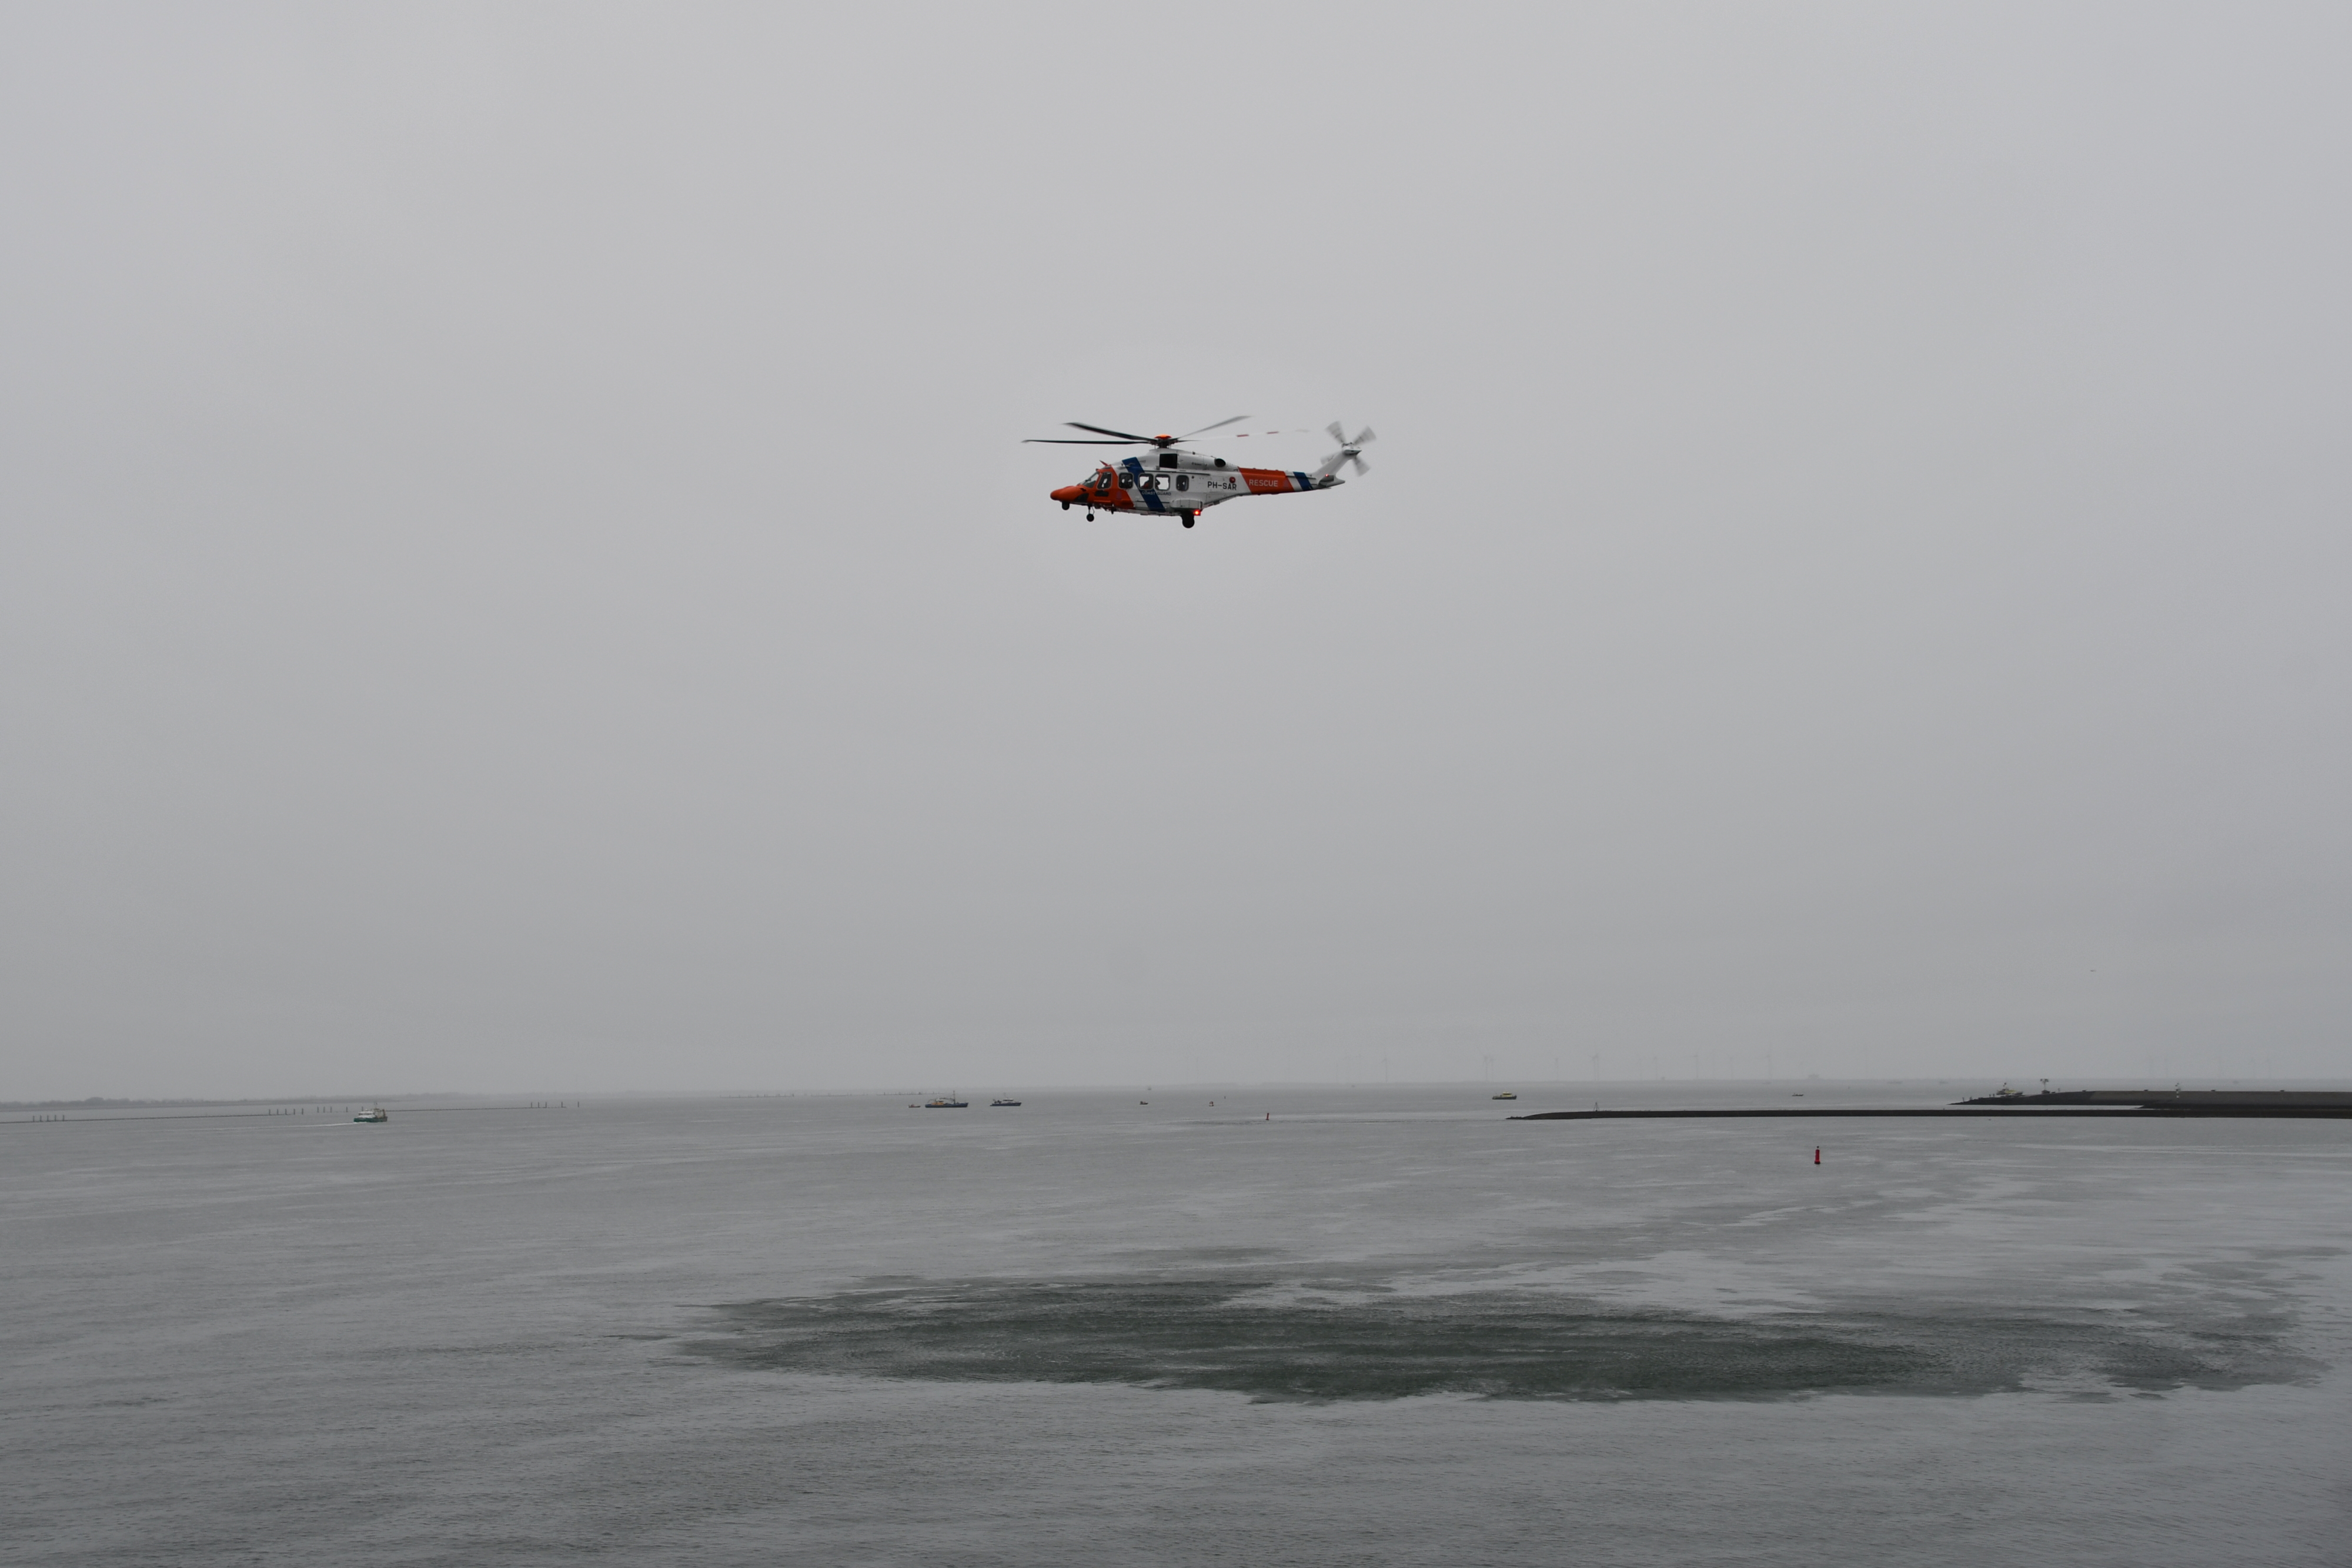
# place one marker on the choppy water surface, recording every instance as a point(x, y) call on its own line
point(1341, 1341)
point(1384, 1327)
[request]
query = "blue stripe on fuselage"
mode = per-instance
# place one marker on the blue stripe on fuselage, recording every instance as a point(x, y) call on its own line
point(1302, 481)
point(1135, 470)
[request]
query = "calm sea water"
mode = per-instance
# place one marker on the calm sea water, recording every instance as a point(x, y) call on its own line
point(1386, 1327)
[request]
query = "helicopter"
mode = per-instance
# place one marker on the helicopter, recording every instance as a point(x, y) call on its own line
point(1182, 483)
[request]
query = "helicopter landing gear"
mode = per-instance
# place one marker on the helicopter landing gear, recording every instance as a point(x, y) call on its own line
point(1066, 506)
point(1191, 517)
point(1090, 517)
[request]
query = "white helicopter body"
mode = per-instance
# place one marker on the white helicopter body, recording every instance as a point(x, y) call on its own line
point(1176, 481)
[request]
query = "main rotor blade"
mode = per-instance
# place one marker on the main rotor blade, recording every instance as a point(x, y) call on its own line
point(1206, 428)
point(1098, 430)
point(1075, 441)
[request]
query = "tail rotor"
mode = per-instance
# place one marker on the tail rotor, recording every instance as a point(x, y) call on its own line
point(1350, 451)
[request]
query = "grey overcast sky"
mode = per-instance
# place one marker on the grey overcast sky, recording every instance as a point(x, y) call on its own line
point(517, 569)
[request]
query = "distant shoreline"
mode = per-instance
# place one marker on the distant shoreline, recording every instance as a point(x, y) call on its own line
point(2024, 1113)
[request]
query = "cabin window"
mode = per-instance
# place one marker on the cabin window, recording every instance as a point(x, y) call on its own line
point(1167, 460)
point(1221, 463)
point(1184, 481)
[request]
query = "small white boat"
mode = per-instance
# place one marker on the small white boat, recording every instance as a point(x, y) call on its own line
point(377, 1113)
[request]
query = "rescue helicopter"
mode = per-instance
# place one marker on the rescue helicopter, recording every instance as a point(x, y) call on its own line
point(1174, 481)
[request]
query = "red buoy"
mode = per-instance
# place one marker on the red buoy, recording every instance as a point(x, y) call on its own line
point(1817, 1157)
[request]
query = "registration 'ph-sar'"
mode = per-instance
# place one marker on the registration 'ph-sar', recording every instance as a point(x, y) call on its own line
point(1174, 481)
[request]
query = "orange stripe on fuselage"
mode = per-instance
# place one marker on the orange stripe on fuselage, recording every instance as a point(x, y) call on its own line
point(1267, 481)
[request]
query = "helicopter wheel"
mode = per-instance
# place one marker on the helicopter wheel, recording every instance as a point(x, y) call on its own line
point(1090, 517)
point(1190, 518)
point(1066, 506)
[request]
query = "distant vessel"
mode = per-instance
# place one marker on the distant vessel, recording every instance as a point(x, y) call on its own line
point(1004, 1102)
point(945, 1102)
point(378, 1115)
point(1506, 1094)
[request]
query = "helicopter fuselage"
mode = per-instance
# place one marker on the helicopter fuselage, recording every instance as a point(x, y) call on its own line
point(1172, 482)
